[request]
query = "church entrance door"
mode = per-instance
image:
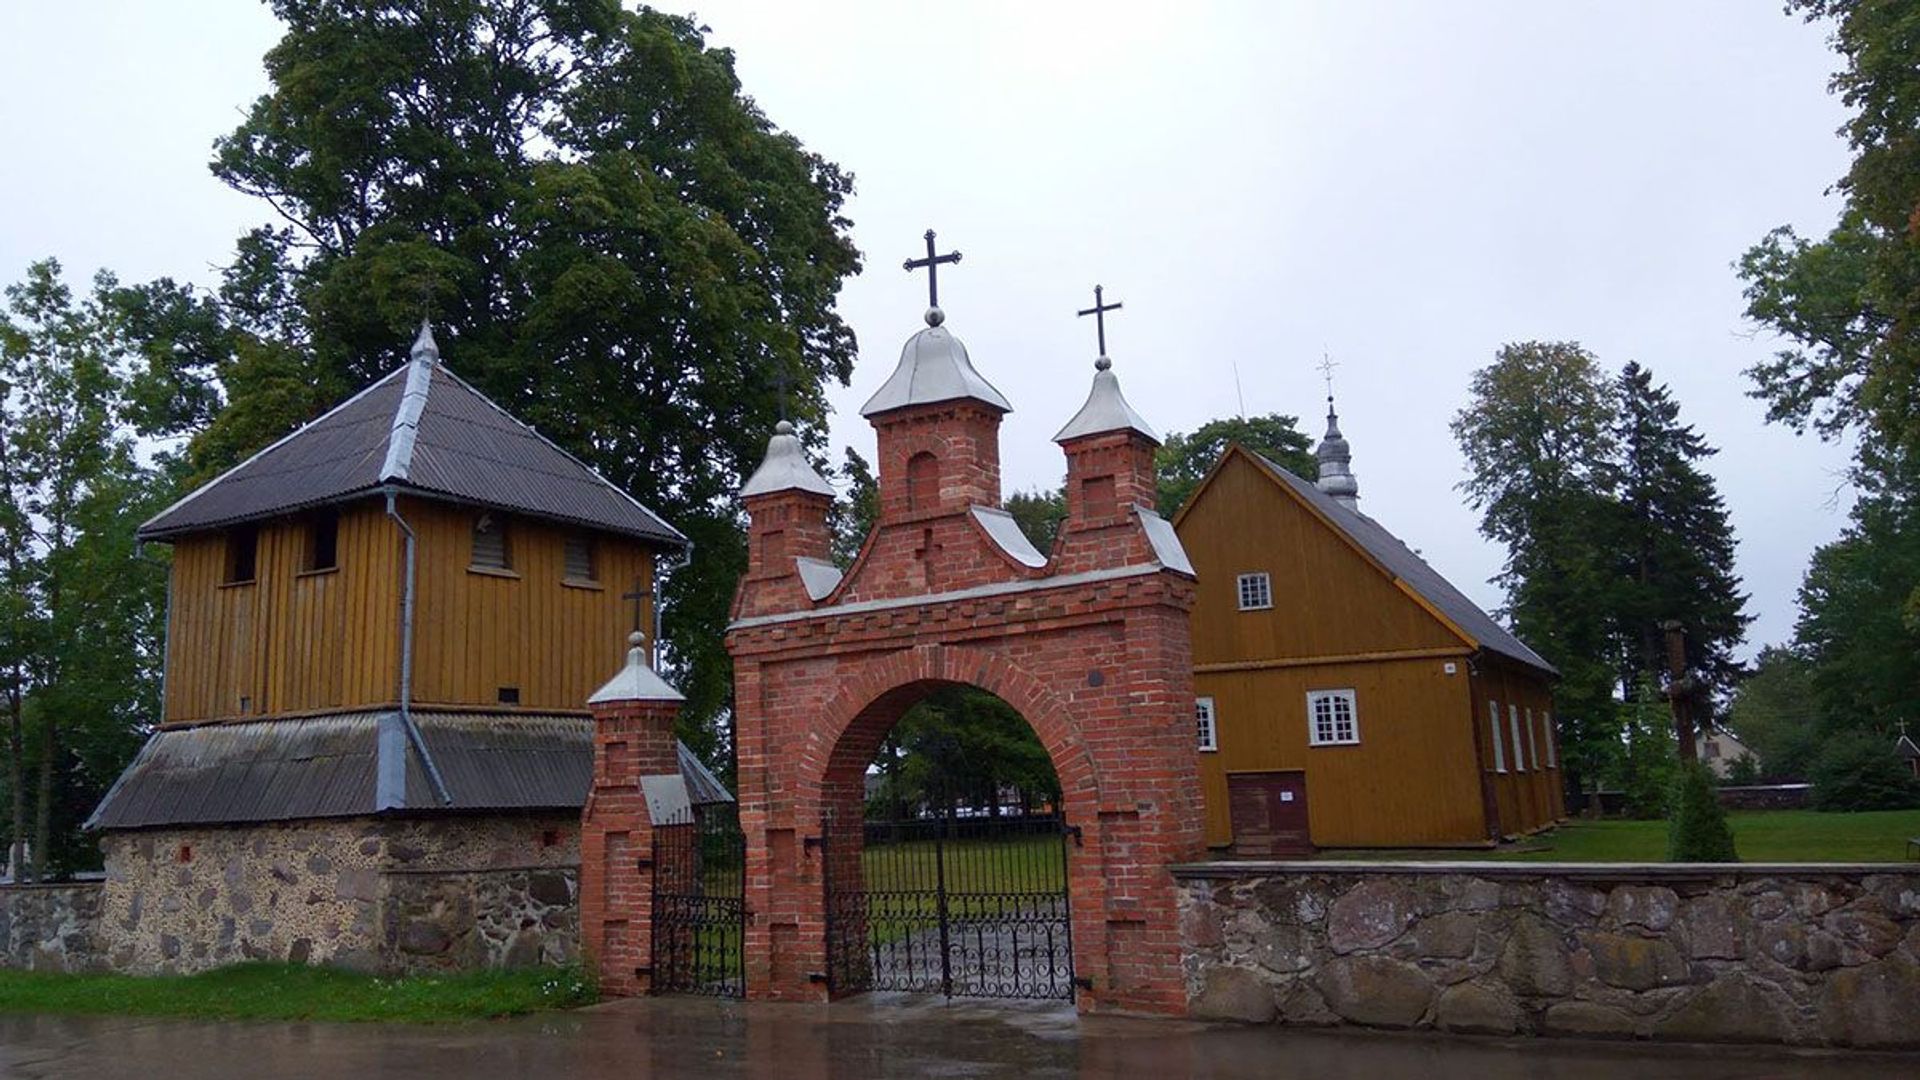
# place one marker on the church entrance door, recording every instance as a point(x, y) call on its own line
point(951, 905)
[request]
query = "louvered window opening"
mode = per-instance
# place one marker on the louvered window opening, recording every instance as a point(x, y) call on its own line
point(579, 559)
point(490, 543)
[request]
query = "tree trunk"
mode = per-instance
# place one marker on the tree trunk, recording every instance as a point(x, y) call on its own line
point(17, 780)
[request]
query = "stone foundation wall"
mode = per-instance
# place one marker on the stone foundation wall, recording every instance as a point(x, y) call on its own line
point(346, 892)
point(50, 927)
point(1801, 954)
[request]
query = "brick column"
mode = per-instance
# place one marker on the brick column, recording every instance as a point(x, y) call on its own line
point(633, 717)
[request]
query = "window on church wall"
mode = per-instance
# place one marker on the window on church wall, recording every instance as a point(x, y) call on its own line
point(1256, 591)
point(322, 548)
point(580, 559)
point(1546, 733)
point(1513, 721)
point(1533, 740)
point(242, 554)
point(923, 482)
point(491, 548)
point(1493, 728)
point(1203, 722)
point(1332, 719)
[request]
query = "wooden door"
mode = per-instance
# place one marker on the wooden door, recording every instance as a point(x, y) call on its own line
point(1268, 813)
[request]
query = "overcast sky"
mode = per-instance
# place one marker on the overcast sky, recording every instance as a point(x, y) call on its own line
point(1403, 185)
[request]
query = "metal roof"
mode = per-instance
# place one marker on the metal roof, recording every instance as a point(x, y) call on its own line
point(325, 766)
point(1106, 410)
point(934, 367)
point(785, 468)
point(421, 428)
point(1403, 564)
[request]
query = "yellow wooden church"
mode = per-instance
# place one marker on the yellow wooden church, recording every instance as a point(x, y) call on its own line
point(1348, 695)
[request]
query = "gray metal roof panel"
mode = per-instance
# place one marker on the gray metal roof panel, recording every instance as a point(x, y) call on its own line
point(325, 766)
point(1403, 563)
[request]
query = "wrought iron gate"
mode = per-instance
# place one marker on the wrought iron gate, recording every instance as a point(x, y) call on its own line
point(699, 904)
point(966, 907)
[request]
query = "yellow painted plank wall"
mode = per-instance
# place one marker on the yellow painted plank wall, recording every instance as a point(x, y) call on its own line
point(1394, 788)
point(1529, 792)
point(292, 642)
point(1243, 523)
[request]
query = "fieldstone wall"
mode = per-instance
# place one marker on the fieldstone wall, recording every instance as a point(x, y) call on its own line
point(50, 927)
point(462, 920)
point(343, 892)
point(1804, 955)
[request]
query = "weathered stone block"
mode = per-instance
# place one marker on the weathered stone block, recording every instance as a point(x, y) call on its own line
point(1476, 1010)
point(1709, 927)
point(1734, 1008)
point(1233, 993)
point(1587, 1018)
point(1370, 915)
point(1375, 990)
point(1634, 963)
point(1651, 906)
point(1874, 1005)
point(1535, 960)
point(1451, 935)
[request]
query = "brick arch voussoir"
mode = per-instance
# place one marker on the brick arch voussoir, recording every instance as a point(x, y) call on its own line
point(1043, 709)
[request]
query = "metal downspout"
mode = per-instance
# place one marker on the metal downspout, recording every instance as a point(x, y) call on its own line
point(389, 794)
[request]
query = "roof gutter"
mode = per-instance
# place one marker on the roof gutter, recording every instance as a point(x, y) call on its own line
point(390, 784)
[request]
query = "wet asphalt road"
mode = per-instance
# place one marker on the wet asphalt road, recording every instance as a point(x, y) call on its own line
point(918, 1038)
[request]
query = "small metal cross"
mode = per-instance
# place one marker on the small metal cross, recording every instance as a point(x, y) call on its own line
point(932, 264)
point(1326, 372)
point(780, 381)
point(639, 596)
point(1099, 312)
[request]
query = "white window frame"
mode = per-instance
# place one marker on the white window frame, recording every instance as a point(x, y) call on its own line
point(1205, 724)
point(1260, 584)
point(1352, 737)
point(1533, 741)
point(1546, 732)
point(1493, 725)
point(1513, 721)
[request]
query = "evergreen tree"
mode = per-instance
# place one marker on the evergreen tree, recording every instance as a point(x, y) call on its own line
point(1697, 831)
point(1674, 540)
point(1776, 712)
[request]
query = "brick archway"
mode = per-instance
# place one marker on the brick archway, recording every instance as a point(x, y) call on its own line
point(1089, 642)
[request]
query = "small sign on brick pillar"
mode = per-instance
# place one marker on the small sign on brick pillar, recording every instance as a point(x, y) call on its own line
point(633, 751)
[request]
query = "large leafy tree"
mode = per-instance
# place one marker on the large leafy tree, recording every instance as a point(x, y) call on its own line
point(1185, 458)
point(1537, 434)
point(1674, 541)
point(1776, 713)
point(613, 241)
point(80, 618)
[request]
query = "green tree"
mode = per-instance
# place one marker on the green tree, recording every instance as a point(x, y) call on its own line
point(961, 746)
point(614, 243)
point(1776, 713)
point(855, 511)
point(1674, 540)
point(1649, 759)
point(1859, 771)
point(1185, 459)
point(80, 631)
point(1697, 830)
point(1537, 434)
point(1039, 514)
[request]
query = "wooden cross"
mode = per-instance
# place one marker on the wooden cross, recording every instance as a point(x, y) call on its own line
point(640, 595)
point(932, 264)
point(1099, 312)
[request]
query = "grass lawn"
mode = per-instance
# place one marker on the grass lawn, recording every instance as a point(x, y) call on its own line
point(294, 992)
point(1759, 835)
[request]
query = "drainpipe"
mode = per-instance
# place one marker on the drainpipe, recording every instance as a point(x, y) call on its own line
point(390, 787)
point(653, 647)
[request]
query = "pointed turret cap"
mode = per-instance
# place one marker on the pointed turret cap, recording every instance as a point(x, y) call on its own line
point(785, 468)
point(933, 367)
point(637, 681)
point(1336, 457)
point(1106, 409)
point(424, 347)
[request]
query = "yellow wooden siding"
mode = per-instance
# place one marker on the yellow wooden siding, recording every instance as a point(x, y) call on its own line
point(1532, 796)
point(1243, 523)
point(1394, 788)
point(295, 643)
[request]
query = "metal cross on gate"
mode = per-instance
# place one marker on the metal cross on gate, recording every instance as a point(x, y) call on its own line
point(932, 264)
point(639, 596)
point(1099, 312)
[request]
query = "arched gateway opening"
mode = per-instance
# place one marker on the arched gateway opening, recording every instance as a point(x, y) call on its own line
point(945, 851)
point(1088, 642)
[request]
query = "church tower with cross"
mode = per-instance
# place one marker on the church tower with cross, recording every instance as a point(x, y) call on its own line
point(1088, 641)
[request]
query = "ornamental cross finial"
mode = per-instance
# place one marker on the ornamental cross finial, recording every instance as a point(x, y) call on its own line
point(640, 595)
point(1326, 372)
point(1099, 312)
point(781, 381)
point(932, 264)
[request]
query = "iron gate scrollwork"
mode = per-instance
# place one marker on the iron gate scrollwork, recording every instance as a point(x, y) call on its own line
point(965, 907)
point(699, 904)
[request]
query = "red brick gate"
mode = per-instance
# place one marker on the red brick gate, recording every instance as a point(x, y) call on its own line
point(1089, 642)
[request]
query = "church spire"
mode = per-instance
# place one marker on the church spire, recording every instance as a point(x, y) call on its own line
point(1335, 455)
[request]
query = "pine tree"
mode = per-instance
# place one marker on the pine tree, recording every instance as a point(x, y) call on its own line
point(1674, 542)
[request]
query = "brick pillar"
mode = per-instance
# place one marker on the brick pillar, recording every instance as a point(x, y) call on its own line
point(633, 717)
point(1108, 474)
